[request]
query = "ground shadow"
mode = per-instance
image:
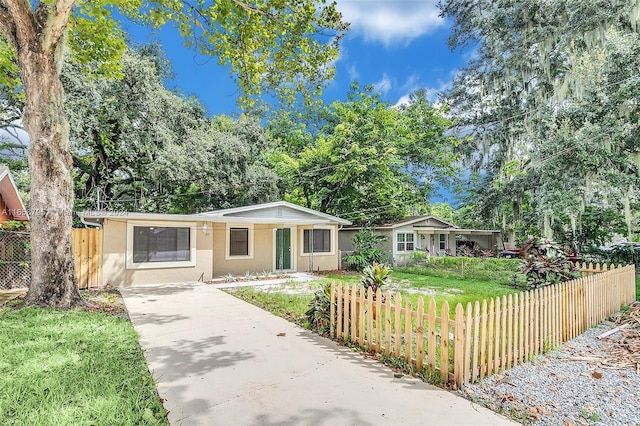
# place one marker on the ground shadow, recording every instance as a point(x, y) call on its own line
point(158, 290)
point(354, 357)
point(196, 357)
point(151, 318)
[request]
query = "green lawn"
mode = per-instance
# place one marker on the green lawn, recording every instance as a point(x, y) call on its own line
point(291, 307)
point(453, 290)
point(73, 368)
point(411, 283)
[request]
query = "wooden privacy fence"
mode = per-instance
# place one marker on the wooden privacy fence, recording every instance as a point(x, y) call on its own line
point(487, 336)
point(87, 252)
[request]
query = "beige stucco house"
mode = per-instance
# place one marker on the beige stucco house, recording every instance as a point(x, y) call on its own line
point(425, 233)
point(160, 248)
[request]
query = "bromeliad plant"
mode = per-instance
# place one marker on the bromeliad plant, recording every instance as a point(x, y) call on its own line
point(544, 263)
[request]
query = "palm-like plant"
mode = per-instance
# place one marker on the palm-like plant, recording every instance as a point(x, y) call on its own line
point(375, 276)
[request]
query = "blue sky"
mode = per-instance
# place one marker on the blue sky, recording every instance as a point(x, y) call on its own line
point(398, 46)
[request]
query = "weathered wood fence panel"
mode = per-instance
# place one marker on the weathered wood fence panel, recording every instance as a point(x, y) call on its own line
point(87, 252)
point(486, 337)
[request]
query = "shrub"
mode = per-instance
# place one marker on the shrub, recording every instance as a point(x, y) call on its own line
point(545, 263)
point(418, 257)
point(366, 250)
point(319, 312)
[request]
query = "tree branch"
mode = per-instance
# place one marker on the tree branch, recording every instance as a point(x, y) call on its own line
point(251, 8)
point(56, 24)
point(7, 27)
point(19, 24)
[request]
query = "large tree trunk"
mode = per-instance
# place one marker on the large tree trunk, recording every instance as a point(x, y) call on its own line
point(53, 280)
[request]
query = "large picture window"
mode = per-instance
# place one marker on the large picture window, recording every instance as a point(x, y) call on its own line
point(405, 242)
point(317, 241)
point(238, 241)
point(161, 244)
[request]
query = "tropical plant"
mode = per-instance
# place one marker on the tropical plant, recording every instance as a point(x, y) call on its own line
point(366, 250)
point(319, 312)
point(544, 263)
point(466, 251)
point(375, 275)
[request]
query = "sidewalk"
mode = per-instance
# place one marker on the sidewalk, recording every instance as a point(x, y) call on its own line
point(221, 361)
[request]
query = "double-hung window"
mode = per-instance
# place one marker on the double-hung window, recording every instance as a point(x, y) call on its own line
point(443, 241)
point(405, 241)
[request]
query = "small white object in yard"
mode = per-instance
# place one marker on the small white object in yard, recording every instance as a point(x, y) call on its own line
point(612, 331)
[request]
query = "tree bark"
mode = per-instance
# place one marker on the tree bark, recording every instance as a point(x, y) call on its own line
point(38, 38)
point(53, 280)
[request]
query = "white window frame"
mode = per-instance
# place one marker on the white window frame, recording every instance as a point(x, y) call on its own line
point(161, 265)
point(332, 243)
point(413, 241)
point(442, 242)
point(227, 248)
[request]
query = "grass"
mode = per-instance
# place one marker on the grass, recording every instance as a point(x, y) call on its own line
point(71, 368)
point(443, 283)
point(291, 307)
point(452, 290)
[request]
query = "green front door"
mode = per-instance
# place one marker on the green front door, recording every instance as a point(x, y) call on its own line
point(283, 249)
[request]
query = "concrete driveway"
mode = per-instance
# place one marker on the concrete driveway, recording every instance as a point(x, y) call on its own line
point(221, 361)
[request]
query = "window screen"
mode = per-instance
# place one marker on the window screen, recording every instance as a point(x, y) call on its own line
point(160, 244)
point(321, 241)
point(238, 241)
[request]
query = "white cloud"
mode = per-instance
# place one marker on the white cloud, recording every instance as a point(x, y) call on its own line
point(432, 91)
point(412, 83)
point(404, 100)
point(391, 21)
point(384, 85)
point(353, 72)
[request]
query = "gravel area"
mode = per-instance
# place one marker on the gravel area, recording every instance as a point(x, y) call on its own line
point(560, 389)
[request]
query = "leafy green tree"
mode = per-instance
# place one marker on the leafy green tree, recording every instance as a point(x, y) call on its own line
point(216, 166)
point(119, 128)
point(550, 99)
point(266, 45)
point(369, 161)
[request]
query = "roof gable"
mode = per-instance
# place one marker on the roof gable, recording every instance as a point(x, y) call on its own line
point(277, 210)
point(415, 221)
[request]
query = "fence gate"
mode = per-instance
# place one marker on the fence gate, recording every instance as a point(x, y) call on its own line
point(15, 260)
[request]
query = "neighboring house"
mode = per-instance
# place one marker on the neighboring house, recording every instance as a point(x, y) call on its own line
point(426, 233)
point(11, 205)
point(160, 248)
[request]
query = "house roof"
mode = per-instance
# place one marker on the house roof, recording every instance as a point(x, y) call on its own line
point(256, 209)
point(409, 220)
point(442, 225)
point(259, 213)
point(11, 196)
